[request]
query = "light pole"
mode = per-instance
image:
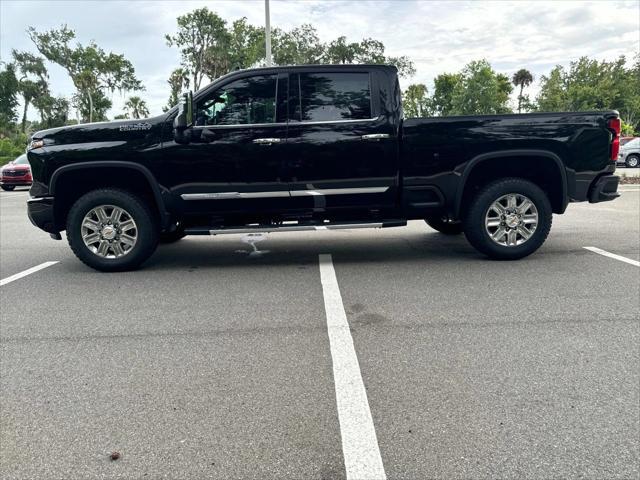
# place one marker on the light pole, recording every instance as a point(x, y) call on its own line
point(267, 32)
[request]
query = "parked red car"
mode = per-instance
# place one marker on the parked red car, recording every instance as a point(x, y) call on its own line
point(16, 174)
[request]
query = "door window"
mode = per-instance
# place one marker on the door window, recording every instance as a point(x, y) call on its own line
point(246, 101)
point(319, 97)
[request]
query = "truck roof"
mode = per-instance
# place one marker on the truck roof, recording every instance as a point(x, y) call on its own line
point(314, 67)
point(330, 67)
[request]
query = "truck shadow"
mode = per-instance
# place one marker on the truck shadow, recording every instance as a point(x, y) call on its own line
point(302, 249)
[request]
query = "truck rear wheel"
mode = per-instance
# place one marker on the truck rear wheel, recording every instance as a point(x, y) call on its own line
point(508, 219)
point(111, 230)
point(442, 226)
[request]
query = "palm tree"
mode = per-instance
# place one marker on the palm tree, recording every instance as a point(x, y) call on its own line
point(136, 107)
point(522, 78)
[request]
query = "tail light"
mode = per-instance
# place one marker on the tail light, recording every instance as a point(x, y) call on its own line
point(615, 126)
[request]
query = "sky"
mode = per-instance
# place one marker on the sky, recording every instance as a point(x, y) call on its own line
point(439, 36)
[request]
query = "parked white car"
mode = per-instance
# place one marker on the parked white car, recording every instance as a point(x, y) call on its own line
point(630, 153)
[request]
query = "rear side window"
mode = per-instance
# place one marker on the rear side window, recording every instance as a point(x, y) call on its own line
point(321, 97)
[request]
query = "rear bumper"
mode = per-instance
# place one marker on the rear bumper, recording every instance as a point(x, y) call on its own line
point(604, 189)
point(40, 212)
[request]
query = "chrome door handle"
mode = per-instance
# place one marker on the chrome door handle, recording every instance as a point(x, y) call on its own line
point(266, 141)
point(376, 136)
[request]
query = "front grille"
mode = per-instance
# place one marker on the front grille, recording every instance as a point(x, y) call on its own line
point(14, 173)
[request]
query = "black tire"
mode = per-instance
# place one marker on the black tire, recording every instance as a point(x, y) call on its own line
point(632, 161)
point(448, 228)
point(174, 236)
point(8, 188)
point(146, 229)
point(474, 222)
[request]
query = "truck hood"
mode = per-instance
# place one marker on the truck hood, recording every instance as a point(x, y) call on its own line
point(120, 130)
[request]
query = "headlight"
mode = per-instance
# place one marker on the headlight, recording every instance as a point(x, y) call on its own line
point(35, 143)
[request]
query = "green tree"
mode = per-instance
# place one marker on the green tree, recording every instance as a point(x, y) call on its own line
point(444, 86)
point(339, 51)
point(522, 78)
point(416, 101)
point(97, 103)
point(552, 96)
point(627, 130)
point(203, 39)
point(299, 46)
point(8, 98)
point(209, 47)
point(136, 107)
point(54, 111)
point(630, 105)
point(32, 80)
point(368, 50)
point(93, 71)
point(404, 65)
point(12, 146)
point(246, 45)
point(481, 91)
point(178, 82)
point(589, 84)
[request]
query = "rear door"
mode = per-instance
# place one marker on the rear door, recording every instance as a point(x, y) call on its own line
point(341, 152)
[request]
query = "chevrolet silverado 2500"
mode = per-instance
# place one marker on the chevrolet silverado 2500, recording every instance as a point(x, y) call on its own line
point(314, 147)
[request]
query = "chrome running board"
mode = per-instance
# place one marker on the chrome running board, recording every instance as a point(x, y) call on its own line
point(293, 227)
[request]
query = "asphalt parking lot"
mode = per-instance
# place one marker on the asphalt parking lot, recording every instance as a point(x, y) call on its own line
point(216, 362)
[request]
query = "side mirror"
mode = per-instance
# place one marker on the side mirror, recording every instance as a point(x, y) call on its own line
point(184, 119)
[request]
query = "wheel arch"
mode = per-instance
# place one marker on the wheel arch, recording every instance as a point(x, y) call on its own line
point(507, 163)
point(96, 174)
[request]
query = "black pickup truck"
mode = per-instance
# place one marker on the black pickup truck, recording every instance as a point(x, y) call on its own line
point(314, 147)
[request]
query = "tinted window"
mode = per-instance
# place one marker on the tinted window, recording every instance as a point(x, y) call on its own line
point(330, 96)
point(249, 100)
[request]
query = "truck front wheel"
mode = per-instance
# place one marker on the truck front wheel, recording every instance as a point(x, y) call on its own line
point(111, 230)
point(508, 219)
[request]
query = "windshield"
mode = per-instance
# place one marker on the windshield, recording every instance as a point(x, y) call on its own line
point(21, 160)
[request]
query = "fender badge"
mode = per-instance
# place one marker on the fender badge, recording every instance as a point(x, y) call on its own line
point(135, 126)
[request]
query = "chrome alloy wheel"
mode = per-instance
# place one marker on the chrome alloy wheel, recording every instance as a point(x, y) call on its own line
point(109, 231)
point(511, 220)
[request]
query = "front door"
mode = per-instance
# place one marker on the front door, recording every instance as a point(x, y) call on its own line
point(342, 155)
point(234, 161)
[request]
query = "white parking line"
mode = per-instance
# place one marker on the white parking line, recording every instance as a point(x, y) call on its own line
point(360, 448)
point(613, 255)
point(29, 271)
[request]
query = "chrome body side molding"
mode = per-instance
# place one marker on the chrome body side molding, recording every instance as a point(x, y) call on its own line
point(281, 193)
